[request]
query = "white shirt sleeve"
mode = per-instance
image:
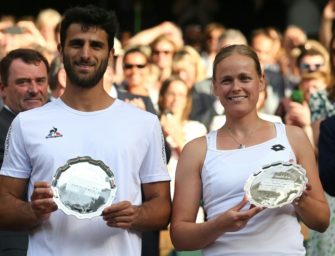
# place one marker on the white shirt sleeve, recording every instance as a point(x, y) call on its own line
point(16, 160)
point(153, 168)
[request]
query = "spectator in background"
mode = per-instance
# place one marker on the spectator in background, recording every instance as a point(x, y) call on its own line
point(57, 78)
point(23, 34)
point(294, 110)
point(213, 32)
point(117, 60)
point(135, 70)
point(175, 102)
point(293, 38)
point(46, 22)
point(147, 36)
point(114, 72)
point(231, 36)
point(313, 57)
point(326, 25)
point(266, 47)
point(24, 86)
point(26, 33)
point(120, 91)
point(135, 73)
point(187, 64)
point(162, 51)
point(322, 103)
point(193, 36)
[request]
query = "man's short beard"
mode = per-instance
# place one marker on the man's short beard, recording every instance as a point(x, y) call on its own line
point(89, 82)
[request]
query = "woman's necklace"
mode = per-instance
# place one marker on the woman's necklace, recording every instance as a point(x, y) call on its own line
point(240, 145)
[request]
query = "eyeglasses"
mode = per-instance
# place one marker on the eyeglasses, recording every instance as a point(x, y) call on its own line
point(165, 52)
point(310, 67)
point(130, 66)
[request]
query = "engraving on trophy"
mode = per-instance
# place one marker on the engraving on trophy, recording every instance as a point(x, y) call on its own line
point(276, 184)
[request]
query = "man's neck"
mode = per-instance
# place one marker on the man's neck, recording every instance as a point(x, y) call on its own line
point(86, 99)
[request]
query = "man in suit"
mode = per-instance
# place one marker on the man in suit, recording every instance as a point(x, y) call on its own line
point(24, 86)
point(326, 154)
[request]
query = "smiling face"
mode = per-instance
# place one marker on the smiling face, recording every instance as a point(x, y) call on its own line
point(135, 69)
point(85, 55)
point(27, 86)
point(237, 84)
point(175, 97)
point(162, 54)
point(186, 70)
point(312, 63)
point(264, 47)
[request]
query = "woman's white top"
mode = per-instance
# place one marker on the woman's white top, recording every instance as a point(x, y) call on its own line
point(272, 231)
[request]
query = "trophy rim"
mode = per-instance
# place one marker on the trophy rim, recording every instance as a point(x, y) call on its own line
point(278, 190)
point(74, 209)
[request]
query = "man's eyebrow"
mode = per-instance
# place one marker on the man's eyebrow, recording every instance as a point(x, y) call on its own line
point(95, 42)
point(81, 41)
point(21, 79)
point(76, 41)
point(41, 78)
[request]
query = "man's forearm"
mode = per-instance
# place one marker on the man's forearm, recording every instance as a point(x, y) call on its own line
point(16, 214)
point(153, 215)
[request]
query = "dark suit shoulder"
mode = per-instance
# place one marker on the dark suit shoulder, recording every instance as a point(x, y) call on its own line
point(6, 118)
point(329, 122)
point(149, 106)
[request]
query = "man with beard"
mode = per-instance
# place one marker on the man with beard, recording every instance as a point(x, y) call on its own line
point(88, 134)
point(24, 86)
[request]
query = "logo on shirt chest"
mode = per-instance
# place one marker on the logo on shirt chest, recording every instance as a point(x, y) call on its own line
point(277, 147)
point(54, 133)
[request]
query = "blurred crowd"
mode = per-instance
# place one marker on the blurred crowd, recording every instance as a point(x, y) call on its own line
point(167, 71)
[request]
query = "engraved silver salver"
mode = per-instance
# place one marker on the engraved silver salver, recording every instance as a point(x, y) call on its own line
point(276, 185)
point(83, 187)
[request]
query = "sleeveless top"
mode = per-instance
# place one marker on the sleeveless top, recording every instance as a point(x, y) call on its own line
point(270, 232)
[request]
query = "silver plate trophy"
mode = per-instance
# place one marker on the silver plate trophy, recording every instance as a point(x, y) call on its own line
point(83, 187)
point(276, 185)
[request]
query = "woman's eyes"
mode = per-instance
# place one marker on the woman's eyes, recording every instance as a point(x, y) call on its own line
point(226, 81)
point(242, 79)
point(245, 79)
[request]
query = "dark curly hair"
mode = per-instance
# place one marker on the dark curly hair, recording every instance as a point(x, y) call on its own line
point(90, 16)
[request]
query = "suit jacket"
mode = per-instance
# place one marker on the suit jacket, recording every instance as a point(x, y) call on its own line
point(326, 159)
point(202, 108)
point(11, 243)
point(123, 95)
point(6, 118)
